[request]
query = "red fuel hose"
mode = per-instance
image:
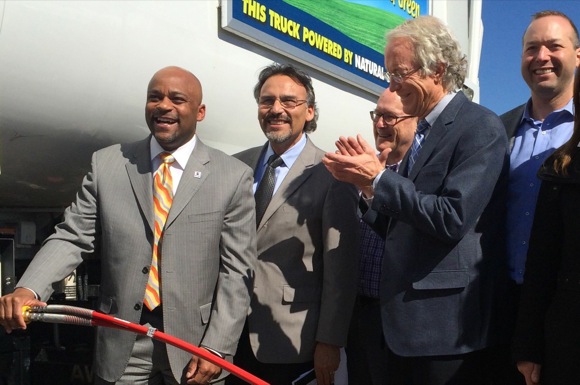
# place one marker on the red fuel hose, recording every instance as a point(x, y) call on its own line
point(72, 315)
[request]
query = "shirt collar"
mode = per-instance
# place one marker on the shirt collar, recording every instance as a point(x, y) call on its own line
point(181, 155)
point(527, 117)
point(290, 155)
point(439, 107)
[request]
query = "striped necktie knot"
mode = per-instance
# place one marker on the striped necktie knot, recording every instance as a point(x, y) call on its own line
point(422, 126)
point(166, 161)
point(166, 157)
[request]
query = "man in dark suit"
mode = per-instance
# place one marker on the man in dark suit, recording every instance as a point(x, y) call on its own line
point(441, 219)
point(550, 55)
point(205, 259)
point(305, 282)
point(366, 352)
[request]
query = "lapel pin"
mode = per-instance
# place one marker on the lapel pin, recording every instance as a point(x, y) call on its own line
point(197, 174)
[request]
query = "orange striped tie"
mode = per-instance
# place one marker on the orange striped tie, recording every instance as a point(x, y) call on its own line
point(162, 199)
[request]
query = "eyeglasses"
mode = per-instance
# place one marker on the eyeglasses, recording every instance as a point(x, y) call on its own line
point(398, 78)
point(289, 104)
point(390, 120)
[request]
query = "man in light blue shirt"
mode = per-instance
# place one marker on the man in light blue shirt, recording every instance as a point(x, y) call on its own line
point(550, 56)
point(533, 142)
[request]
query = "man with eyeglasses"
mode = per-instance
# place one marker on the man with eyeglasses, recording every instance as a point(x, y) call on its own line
point(307, 231)
point(442, 216)
point(365, 352)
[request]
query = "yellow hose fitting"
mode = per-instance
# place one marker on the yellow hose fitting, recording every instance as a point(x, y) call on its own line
point(26, 313)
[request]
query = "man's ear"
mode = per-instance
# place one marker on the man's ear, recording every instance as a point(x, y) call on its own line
point(439, 72)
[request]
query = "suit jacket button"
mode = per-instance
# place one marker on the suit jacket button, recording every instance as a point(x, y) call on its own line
point(145, 270)
point(137, 306)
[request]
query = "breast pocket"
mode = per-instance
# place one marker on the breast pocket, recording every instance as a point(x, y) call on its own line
point(212, 216)
point(205, 225)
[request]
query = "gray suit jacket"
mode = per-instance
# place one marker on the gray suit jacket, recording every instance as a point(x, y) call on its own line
point(444, 243)
point(208, 251)
point(305, 283)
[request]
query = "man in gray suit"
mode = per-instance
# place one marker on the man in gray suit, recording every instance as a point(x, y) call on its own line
point(440, 217)
point(305, 282)
point(206, 256)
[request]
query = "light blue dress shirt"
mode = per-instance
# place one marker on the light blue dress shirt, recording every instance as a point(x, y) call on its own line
point(289, 157)
point(533, 143)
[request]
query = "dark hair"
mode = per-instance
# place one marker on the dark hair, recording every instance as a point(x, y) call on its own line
point(563, 155)
point(539, 15)
point(299, 77)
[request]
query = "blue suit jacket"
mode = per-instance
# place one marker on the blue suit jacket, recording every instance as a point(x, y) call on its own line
point(444, 238)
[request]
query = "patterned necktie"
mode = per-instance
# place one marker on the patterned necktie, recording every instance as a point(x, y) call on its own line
point(420, 135)
point(265, 189)
point(162, 199)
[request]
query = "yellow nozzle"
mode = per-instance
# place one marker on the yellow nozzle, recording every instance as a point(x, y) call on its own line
point(26, 313)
